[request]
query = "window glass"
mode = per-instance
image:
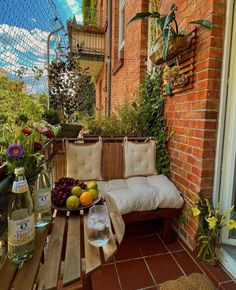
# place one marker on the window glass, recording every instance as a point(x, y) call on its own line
point(121, 28)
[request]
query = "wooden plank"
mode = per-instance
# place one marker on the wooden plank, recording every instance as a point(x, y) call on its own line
point(30, 267)
point(110, 247)
point(112, 168)
point(53, 257)
point(92, 255)
point(187, 56)
point(117, 221)
point(186, 63)
point(190, 86)
point(7, 273)
point(72, 267)
point(186, 69)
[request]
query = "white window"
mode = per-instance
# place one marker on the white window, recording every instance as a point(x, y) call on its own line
point(121, 28)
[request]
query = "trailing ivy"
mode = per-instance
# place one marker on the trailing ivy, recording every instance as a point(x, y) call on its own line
point(152, 116)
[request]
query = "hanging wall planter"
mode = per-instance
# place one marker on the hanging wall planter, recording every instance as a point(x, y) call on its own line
point(176, 45)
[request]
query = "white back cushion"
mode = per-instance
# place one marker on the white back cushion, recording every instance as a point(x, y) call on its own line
point(84, 161)
point(139, 158)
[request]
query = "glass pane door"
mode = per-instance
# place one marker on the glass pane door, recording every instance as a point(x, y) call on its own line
point(228, 180)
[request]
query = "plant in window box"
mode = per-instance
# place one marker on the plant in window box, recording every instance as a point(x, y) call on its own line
point(171, 39)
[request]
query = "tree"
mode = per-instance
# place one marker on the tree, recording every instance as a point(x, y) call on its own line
point(70, 89)
point(15, 102)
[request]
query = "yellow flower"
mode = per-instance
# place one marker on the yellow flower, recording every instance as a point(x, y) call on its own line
point(212, 222)
point(231, 224)
point(195, 211)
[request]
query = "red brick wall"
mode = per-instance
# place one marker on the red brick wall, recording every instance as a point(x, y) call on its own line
point(127, 73)
point(192, 115)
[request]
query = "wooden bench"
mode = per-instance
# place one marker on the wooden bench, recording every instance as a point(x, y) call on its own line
point(113, 168)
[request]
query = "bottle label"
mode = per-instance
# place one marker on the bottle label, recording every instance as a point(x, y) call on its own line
point(43, 200)
point(19, 186)
point(21, 231)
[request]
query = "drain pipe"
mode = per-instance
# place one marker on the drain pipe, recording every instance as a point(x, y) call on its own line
point(48, 57)
point(109, 28)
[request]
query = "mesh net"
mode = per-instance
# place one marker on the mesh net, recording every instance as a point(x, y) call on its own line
point(24, 29)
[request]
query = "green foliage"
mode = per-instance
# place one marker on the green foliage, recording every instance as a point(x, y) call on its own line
point(15, 102)
point(70, 89)
point(43, 100)
point(124, 121)
point(89, 12)
point(152, 116)
point(168, 25)
point(51, 116)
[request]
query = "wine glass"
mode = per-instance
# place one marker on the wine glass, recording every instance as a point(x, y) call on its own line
point(98, 225)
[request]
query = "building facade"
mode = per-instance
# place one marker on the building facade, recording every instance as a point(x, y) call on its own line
point(203, 147)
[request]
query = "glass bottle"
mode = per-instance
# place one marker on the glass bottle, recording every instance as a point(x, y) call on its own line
point(21, 229)
point(42, 199)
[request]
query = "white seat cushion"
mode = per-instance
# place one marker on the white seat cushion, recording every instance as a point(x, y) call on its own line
point(144, 193)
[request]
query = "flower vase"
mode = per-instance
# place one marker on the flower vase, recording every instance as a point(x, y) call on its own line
point(208, 249)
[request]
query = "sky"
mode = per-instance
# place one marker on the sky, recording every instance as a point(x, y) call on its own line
point(24, 28)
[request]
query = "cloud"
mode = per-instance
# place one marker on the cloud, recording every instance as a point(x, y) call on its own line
point(75, 8)
point(23, 40)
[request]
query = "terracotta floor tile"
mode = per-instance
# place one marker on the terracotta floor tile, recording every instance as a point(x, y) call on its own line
point(228, 286)
point(215, 273)
point(105, 278)
point(175, 246)
point(186, 263)
point(163, 268)
point(128, 249)
point(134, 275)
point(151, 245)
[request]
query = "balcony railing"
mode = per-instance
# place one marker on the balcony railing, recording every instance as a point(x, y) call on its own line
point(87, 42)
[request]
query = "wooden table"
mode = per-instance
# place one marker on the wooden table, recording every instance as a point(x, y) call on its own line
point(69, 257)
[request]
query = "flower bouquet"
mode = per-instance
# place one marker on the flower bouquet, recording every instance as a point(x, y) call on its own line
point(210, 221)
point(22, 145)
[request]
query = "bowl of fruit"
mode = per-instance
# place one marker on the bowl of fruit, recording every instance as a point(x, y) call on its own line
point(72, 194)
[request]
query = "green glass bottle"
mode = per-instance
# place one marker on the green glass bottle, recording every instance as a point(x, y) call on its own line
point(21, 229)
point(42, 199)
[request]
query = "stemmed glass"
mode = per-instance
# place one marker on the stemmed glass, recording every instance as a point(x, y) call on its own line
point(98, 225)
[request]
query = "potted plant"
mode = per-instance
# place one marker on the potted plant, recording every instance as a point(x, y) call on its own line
point(210, 221)
point(171, 38)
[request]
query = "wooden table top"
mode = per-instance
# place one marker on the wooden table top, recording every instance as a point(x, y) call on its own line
point(68, 256)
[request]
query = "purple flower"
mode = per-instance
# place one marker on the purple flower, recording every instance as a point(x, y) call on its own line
point(15, 151)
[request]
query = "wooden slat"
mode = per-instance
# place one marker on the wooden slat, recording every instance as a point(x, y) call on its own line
point(110, 247)
point(186, 63)
point(92, 255)
point(117, 221)
point(72, 267)
point(190, 86)
point(52, 261)
point(26, 274)
point(7, 273)
point(112, 161)
point(186, 69)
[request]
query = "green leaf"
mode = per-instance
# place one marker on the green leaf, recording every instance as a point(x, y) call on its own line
point(143, 15)
point(205, 23)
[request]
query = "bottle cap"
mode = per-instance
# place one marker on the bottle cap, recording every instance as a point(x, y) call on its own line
point(19, 170)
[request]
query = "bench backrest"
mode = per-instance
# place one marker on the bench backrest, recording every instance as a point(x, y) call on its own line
point(112, 161)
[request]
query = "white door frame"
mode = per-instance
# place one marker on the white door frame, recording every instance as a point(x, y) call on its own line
point(223, 99)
